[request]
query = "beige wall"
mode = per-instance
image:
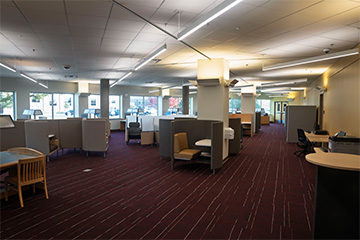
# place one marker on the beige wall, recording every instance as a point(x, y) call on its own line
point(341, 100)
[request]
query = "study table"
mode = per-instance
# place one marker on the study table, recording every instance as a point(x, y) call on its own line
point(337, 195)
point(204, 143)
point(10, 159)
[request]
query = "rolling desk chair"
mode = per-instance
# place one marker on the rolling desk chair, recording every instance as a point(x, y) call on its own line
point(302, 143)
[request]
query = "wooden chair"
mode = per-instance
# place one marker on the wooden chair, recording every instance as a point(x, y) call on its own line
point(29, 172)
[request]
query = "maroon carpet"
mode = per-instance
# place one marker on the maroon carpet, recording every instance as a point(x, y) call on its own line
point(265, 192)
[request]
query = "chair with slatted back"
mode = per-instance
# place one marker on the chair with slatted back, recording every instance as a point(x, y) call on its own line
point(29, 172)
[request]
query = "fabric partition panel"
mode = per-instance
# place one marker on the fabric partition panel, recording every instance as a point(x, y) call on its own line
point(70, 133)
point(37, 135)
point(12, 137)
point(235, 144)
point(54, 127)
point(217, 138)
point(147, 123)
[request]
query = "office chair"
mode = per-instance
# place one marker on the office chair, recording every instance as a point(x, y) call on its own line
point(134, 131)
point(302, 143)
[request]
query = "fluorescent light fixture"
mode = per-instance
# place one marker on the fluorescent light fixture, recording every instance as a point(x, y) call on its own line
point(214, 13)
point(122, 78)
point(192, 92)
point(154, 91)
point(152, 56)
point(274, 89)
point(298, 88)
point(313, 59)
point(286, 82)
point(7, 67)
point(23, 75)
point(43, 85)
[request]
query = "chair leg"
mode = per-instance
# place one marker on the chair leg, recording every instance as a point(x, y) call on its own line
point(34, 188)
point(45, 189)
point(6, 190)
point(20, 196)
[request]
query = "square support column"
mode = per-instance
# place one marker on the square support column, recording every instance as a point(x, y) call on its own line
point(213, 102)
point(104, 97)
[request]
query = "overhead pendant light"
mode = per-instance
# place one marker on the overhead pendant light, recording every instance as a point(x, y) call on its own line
point(43, 85)
point(29, 78)
point(7, 67)
point(313, 59)
point(217, 11)
point(159, 51)
point(122, 78)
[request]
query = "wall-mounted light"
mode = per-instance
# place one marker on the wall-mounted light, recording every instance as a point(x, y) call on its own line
point(313, 59)
point(321, 89)
point(7, 67)
point(217, 11)
point(151, 56)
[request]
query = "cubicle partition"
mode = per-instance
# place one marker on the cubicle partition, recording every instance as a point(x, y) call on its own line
point(13, 137)
point(196, 130)
point(235, 144)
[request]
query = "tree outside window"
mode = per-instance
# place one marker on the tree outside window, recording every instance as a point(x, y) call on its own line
point(234, 105)
point(7, 103)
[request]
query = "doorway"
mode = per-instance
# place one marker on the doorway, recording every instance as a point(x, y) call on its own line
point(279, 111)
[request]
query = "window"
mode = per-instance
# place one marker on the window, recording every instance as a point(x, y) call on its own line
point(146, 104)
point(175, 106)
point(94, 101)
point(136, 102)
point(53, 105)
point(63, 105)
point(114, 106)
point(234, 105)
point(263, 103)
point(44, 102)
point(151, 106)
point(7, 103)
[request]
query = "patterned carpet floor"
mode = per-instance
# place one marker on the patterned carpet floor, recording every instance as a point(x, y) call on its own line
point(264, 192)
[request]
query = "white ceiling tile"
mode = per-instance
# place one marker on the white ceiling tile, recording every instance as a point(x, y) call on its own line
point(348, 17)
point(127, 25)
point(344, 33)
point(48, 6)
point(45, 28)
point(333, 7)
point(89, 8)
point(86, 21)
point(87, 32)
point(35, 17)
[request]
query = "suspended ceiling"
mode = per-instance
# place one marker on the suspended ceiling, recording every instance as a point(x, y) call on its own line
point(100, 39)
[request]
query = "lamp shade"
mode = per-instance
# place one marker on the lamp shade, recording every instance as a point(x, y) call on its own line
point(6, 121)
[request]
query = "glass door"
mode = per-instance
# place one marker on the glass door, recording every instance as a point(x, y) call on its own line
point(279, 111)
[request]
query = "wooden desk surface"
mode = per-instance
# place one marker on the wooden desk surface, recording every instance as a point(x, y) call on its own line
point(317, 137)
point(203, 143)
point(342, 161)
point(8, 159)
